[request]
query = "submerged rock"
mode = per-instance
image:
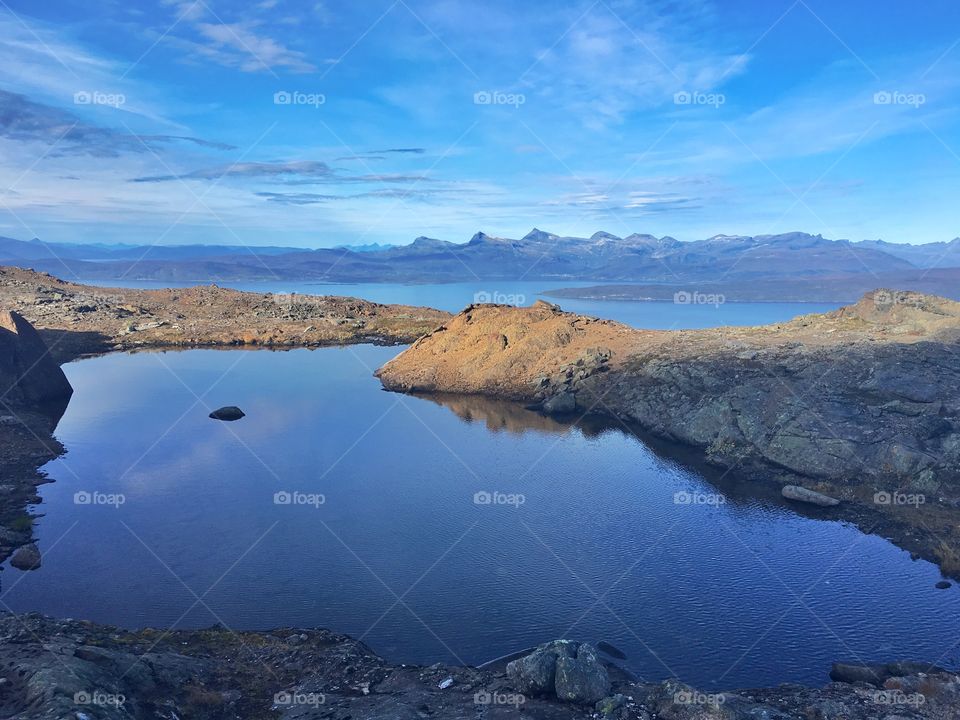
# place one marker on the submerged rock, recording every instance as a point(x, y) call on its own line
point(26, 557)
point(560, 404)
point(228, 413)
point(802, 494)
point(610, 650)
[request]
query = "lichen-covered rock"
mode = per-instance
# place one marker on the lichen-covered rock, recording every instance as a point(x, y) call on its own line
point(534, 673)
point(581, 679)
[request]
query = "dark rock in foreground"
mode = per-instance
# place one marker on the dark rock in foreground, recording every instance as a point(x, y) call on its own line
point(64, 669)
point(28, 374)
point(228, 414)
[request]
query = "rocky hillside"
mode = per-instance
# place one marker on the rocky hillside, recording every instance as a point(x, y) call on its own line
point(860, 401)
point(59, 669)
point(77, 319)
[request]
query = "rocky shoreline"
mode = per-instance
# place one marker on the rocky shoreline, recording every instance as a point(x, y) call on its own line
point(861, 404)
point(66, 669)
point(78, 320)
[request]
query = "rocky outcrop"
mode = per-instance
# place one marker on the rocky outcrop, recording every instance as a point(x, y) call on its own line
point(79, 319)
point(857, 402)
point(28, 373)
point(52, 669)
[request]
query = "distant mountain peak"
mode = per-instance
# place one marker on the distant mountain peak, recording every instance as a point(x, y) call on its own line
point(537, 235)
point(604, 235)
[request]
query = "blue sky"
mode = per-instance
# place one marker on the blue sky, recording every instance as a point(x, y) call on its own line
point(321, 123)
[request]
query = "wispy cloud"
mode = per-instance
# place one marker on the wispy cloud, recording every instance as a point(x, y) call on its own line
point(295, 172)
point(244, 44)
point(23, 120)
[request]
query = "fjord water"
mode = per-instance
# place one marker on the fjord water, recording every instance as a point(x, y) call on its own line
point(612, 541)
point(454, 297)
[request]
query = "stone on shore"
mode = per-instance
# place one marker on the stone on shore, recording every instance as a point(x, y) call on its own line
point(582, 679)
point(802, 494)
point(228, 413)
point(568, 670)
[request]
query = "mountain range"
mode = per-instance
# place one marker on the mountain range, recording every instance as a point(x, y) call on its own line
point(538, 255)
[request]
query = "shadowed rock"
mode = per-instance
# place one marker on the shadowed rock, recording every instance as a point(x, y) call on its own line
point(28, 375)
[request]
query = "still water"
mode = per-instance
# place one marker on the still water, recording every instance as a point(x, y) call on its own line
point(336, 504)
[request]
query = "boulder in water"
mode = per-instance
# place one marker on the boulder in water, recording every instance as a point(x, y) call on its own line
point(228, 413)
point(26, 557)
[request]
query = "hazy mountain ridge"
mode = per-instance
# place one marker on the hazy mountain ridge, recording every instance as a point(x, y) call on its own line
point(537, 255)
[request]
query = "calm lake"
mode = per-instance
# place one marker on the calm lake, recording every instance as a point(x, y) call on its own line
point(451, 529)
